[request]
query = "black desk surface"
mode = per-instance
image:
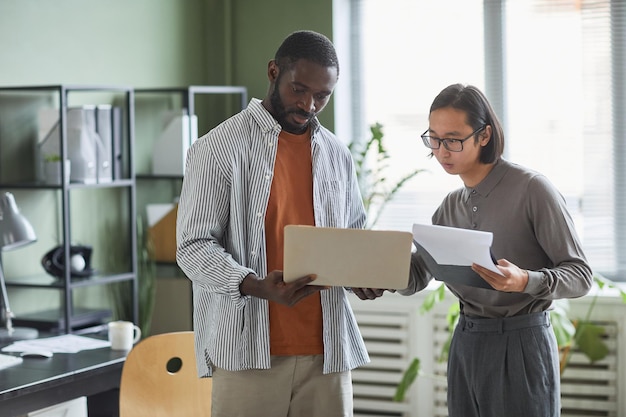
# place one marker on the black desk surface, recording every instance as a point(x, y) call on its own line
point(38, 383)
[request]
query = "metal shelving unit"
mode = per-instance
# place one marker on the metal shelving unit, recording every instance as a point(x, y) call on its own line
point(211, 105)
point(17, 175)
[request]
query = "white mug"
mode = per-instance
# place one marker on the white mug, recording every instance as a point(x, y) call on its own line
point(123, 335)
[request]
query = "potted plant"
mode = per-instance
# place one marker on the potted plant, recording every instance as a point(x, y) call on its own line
point(372, 162)
point(52, 168)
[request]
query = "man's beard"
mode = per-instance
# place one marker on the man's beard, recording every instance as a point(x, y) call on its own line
point(281, 113)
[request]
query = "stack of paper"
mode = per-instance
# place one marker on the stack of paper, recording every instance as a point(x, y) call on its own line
point(449, 253)
point(68, 343)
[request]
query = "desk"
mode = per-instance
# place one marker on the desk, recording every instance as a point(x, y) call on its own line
point(38, 383)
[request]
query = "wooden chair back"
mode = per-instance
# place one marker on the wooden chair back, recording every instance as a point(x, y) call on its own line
point(159, 379)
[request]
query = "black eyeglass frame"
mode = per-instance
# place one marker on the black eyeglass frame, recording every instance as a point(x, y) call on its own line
point(427, 138)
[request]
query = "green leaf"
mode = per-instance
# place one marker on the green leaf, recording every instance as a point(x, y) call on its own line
point(454, 312)
point(407, 380)
point(445, 350)
point(589, 338)
point(373, 163)
point(433, 298)
point(452, 318)
point(605, 282)
point(564, 329)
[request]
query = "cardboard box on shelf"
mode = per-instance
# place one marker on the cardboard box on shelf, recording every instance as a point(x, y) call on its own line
point(162, 231)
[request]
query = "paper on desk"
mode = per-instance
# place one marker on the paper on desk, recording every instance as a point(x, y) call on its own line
point(68, 343)
point(455, 246)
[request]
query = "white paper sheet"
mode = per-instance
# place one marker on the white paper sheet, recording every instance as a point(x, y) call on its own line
point(68, 343)
point(455, 246)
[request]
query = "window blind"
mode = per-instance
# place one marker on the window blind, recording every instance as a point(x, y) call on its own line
point(554, 71)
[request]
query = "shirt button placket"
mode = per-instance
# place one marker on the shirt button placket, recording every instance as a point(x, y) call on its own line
point(474, 210)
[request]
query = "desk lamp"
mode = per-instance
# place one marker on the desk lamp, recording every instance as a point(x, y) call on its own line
point(15, 232)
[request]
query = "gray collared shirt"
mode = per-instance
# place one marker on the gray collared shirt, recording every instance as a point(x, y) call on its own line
point(531, 228)
point(221, 239)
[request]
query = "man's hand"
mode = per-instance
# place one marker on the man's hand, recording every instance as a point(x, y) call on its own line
point(273, 288)
point(369, 293)
point(514, 279)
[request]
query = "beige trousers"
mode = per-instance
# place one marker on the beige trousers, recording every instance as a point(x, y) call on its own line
point(294, 387)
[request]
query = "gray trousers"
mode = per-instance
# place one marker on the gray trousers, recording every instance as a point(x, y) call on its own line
point(504, 367)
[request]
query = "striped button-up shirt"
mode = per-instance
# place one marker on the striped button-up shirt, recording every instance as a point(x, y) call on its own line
point(221, 239)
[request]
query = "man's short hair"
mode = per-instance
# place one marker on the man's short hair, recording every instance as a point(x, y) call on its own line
point(309, 45)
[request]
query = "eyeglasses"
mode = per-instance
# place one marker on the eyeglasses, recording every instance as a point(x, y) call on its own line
point(453, 145)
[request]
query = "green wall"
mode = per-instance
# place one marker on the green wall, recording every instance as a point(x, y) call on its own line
point(142, 43)
point(150, 43)
point(258, 27)
point(138, 43)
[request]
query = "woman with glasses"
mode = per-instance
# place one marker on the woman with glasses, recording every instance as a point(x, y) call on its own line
point(503, 359)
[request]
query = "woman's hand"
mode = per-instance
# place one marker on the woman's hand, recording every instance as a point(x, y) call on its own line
point(513, 279)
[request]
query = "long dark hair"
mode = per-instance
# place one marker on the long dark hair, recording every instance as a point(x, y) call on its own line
point(479, 113)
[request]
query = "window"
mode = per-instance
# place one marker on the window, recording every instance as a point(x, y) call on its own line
point(554, 70)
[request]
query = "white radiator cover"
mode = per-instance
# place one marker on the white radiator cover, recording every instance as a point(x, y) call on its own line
point(395, 332)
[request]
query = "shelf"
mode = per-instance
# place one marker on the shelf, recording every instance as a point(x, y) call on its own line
point(92, 128)
point(52, 321)
point(147, 177)
point(189, 93)
point(67, 88)
point(66, 221)
point(200, 107)
point(48, 281)
point(77, 185)
point(168, 121)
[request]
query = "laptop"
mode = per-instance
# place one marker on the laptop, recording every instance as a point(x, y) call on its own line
point(348, 257)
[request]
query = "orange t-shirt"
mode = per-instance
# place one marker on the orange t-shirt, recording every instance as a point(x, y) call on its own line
point(295, 330)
